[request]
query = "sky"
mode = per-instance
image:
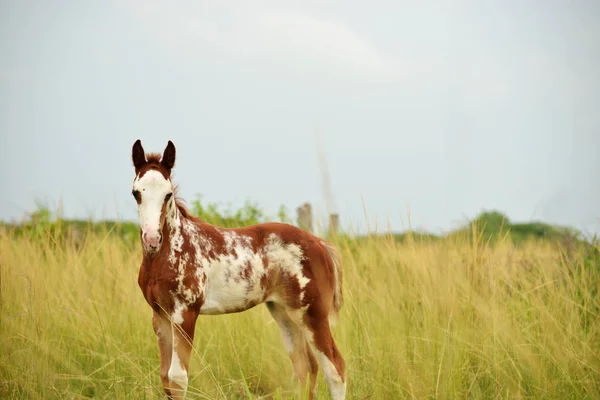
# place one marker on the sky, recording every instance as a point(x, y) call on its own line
point(425, 112)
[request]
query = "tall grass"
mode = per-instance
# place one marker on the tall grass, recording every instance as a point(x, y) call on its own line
point(443, 319)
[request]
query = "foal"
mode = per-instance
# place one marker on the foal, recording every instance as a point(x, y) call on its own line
point(190, 267)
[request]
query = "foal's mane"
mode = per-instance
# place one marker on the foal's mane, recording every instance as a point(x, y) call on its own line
point(180, 203)
point(153, 158)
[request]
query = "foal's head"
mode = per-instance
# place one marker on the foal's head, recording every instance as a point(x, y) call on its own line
point(152, 190)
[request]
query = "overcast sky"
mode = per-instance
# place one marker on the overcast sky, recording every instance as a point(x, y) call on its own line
point(445, 108)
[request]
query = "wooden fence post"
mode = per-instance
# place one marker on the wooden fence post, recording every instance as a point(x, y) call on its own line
point(305, 218)
point(334, 224)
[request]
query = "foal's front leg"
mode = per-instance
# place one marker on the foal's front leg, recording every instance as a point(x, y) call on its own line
point(175, 343)
point(164, 336)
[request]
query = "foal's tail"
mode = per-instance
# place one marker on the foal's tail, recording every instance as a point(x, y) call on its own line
point(333, 253)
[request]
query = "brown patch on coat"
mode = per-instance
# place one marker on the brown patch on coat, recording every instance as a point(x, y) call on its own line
point(247, 272)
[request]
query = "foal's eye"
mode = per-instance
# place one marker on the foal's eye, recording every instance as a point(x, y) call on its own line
point(168, 196)
point(136, 194)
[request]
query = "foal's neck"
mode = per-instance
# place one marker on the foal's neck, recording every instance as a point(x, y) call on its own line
point(172, 231)
point(185, 232)
point(173, 217)
point(178, 227)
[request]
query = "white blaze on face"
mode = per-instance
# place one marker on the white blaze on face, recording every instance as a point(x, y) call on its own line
point(153, 188)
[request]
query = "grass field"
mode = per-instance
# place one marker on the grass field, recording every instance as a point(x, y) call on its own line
point(445, 319)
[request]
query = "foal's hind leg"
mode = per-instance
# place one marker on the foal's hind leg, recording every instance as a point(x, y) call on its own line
point(295, 343)
point(330, 359)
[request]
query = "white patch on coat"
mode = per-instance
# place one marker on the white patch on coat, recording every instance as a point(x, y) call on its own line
point(177, 315)
point(288, 257)
point(227, 286)
point(176, 372)
point(337, 386)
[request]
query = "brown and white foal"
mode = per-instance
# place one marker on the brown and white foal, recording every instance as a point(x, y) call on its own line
point(190, 267)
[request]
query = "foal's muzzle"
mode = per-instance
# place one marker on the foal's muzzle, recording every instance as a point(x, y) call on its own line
point(152, 240)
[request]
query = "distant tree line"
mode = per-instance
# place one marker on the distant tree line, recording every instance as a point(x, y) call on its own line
point(490, 226)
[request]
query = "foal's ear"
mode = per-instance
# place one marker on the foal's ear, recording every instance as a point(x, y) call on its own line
point(138, 155)
point(168, 158)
